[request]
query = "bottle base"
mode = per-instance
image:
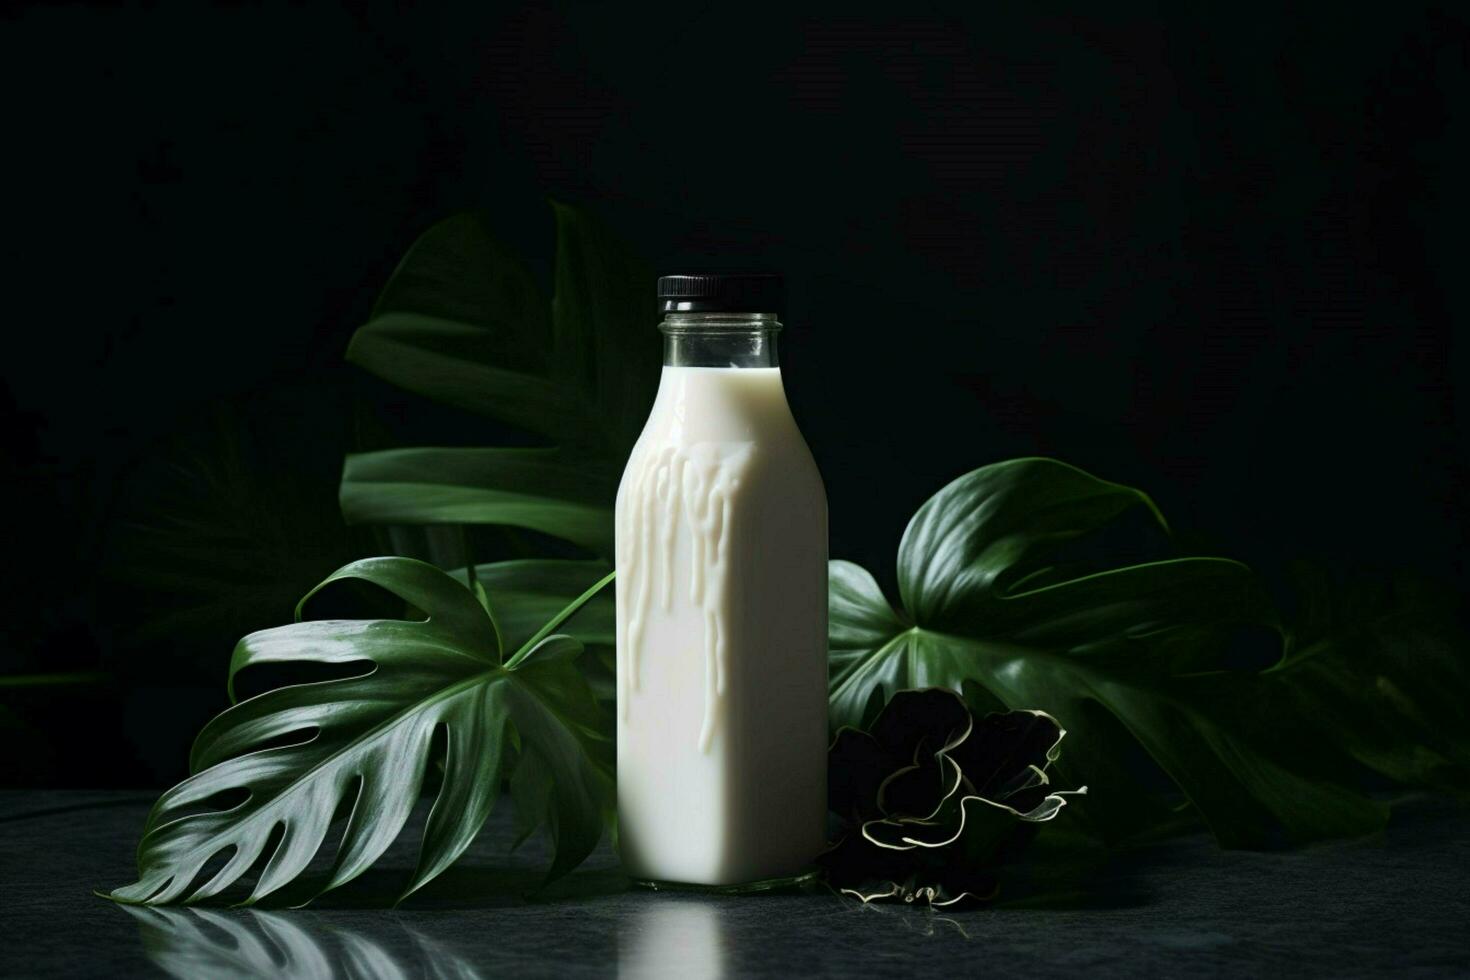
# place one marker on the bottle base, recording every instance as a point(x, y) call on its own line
point(801, 880)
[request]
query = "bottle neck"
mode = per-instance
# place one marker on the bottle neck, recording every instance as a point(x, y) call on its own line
point(723, 340)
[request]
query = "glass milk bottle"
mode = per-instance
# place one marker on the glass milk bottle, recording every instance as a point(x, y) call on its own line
point(721, 604)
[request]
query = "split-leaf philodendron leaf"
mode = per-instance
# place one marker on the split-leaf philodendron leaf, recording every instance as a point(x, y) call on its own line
point(1132, 656)
point(462, 322)
point(365, 741)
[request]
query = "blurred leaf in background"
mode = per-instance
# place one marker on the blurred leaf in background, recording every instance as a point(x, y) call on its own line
point(53, 667)
point(1381, 661)
point(462, 322)
point(232, 521)
point(216, 533)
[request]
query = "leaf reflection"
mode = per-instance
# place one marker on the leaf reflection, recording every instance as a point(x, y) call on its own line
point(921, 920)
point(196, 942)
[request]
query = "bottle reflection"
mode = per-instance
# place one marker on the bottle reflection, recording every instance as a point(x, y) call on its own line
point(673, 937)
point(192, 943)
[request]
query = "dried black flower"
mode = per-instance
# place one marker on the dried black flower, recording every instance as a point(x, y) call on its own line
point(933, 796)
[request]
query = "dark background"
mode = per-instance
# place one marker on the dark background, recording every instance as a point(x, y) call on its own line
point(1218, 255)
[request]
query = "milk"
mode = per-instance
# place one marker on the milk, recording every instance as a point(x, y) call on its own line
point(722, 632)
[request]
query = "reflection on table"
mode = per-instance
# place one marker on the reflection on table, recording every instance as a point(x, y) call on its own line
point(673, 937)
point(666, 936)
point(193, 943)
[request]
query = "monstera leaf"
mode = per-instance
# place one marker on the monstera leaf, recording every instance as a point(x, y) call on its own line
point(365, 739)
point(998, 601)
point(462, 322)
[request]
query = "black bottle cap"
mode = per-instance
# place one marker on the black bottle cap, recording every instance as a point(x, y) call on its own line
point(722, 294)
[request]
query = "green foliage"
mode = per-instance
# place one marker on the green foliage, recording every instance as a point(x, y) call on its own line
point(365, 739)
point(1013, 592)
point(528, 592)
point(462, 322)
point(1137, 659)
point(225, 525)
point(1382, 665)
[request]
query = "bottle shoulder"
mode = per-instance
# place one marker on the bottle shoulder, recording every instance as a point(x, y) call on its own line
point(706, 413)
point(759, 454)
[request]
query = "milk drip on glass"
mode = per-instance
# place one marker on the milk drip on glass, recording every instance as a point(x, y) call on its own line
point(721, 604)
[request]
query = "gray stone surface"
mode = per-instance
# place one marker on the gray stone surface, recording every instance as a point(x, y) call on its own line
point(1399, 905)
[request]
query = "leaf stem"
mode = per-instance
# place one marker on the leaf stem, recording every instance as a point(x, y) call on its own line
point(560, 618)
point(470, 572)
point(472, 582)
